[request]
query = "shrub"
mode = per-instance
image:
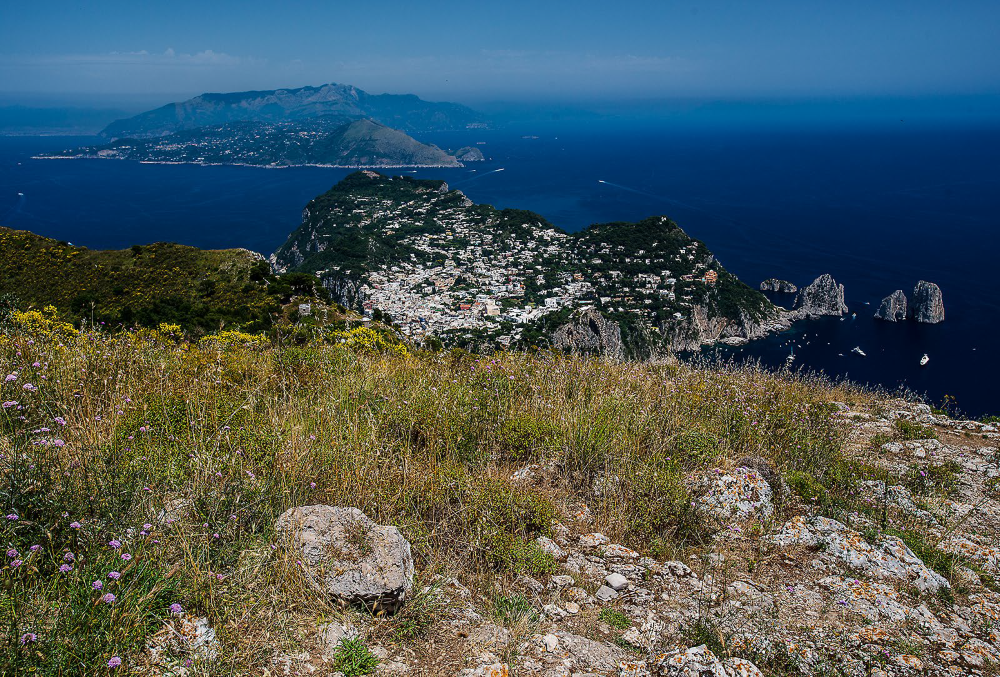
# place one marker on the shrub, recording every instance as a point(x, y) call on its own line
point(614, 618)
point(352, 657)
point(908, 430)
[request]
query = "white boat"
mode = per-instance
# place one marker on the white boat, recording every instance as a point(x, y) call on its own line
point(791, 357)
point(924, 360)
point(20, 194)
point(857, 350)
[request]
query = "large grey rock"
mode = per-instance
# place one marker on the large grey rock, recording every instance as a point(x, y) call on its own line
point(590, 333)
point(823, 297)
point(780, 286)
point(350, 557)
point(928, 303)
point(890, 558)
point(698, 661)
point(893, 307)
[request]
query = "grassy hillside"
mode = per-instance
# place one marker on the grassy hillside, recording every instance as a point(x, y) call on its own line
point(102, 432)
point(144, 285)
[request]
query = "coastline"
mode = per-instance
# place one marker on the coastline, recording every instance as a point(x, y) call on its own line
point(246, 164)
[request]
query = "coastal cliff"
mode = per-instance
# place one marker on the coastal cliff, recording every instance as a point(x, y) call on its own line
point(823, 297)
point(928, 303)
point(780, 286)
point(893, 307)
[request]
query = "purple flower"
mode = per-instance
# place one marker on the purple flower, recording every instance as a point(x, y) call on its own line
point(97, 585)
point(74, 525)
point(15, 564)
point(69, 557)
point(66, 568)
point(114, 662)
point(147, 526)
point(114, 575)
point(28, 637)
point(35, 548)
point(12, 553)
point(60, 420)
point(115, 543)
point(12, 517)
point(176, 608)
point(126, 556)
point(108, 598)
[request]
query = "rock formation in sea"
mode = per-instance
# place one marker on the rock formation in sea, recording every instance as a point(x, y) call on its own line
point(893, 307)
point(928, 303)
point(776, 285)
point(590, 333)
point(823, 297)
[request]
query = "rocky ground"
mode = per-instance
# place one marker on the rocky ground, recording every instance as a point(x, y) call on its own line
point(787, 585)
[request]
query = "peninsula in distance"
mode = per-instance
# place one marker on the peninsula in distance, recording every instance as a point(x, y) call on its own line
point(332, 125)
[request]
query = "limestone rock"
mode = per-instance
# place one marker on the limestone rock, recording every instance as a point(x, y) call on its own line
point(780, 286)
point(823, 297)
point(890, 558)
point(928, 303)
point(742, 494)
point(590, 333)
point(350, 557)
point(697, 661)
point(893, 307)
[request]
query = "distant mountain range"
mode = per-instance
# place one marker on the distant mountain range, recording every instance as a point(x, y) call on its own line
point(401, 111)
point(325, 141)
point(332, 125)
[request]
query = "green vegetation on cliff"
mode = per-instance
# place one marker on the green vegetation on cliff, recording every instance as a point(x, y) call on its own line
point(145, 285)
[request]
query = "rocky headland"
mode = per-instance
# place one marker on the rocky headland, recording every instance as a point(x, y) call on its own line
point(780, 286)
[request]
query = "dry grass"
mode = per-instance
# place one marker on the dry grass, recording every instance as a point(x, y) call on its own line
point(235, 435)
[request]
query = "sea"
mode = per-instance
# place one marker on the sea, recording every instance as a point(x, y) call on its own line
point(879, 207)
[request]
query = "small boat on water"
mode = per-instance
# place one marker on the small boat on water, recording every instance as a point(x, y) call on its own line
point(791, 356)
point(924, 360)
point(857, 350)
point(20, 194)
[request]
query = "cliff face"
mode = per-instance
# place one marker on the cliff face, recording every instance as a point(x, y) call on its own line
point(928, 303)
point(776, 285)
point(702, 328)
point(823, 297)
point(893, 307)
point(590, 333)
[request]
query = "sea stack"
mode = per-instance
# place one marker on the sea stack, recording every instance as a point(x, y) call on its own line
point(823, 297)
point(893, 308)
point(780, 286)
point(928, 303)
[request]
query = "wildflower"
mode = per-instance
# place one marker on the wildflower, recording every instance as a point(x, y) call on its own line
point(126, 556)
point(115, 544)
point(9, 404)
point(30, 388)
point(69, 557)
point(147, 526)
point(108, 598)
point(12, 517)
point(10, 377)
point(114, 575)
point(35, 548)
point(114, 662)
point(15, 564)
point(66, 568)
point(60, 420)
point(28, 637)
point(97, 585)
point(176, 608)
point(12, 553)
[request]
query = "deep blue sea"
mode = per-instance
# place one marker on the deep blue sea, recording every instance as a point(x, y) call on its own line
point(878, 208)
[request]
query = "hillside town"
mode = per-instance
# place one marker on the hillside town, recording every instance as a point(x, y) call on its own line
point(439, 265)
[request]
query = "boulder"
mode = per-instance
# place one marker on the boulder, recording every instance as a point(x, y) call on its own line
point(893, 307)
point(928, 304)
point(350, 557)
point(741, 494)
point(823, 297)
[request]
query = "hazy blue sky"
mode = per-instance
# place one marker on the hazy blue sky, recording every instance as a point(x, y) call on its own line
point(476, 50)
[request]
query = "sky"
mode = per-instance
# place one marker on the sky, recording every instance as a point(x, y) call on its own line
point(480, 51)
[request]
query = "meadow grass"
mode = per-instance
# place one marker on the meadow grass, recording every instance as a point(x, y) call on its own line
point(182, 455)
